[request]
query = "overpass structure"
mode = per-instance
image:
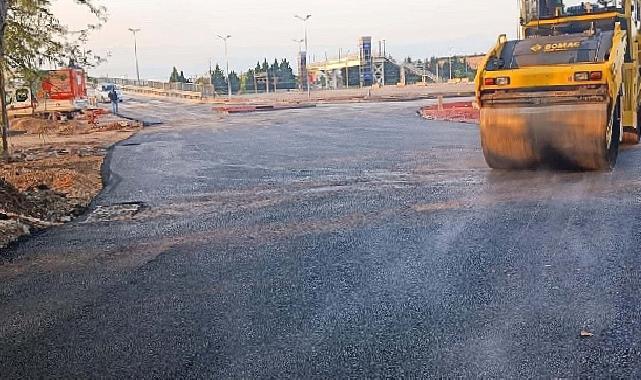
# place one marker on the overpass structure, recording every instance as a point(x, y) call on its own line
point(352, 71)
point(364, 69)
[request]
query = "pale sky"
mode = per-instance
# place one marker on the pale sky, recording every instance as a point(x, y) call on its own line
point(183, 33)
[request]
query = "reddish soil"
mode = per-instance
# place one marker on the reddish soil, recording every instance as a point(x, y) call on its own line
point(463, 112)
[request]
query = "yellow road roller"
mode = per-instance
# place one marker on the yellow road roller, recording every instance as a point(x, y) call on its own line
point(566, 92)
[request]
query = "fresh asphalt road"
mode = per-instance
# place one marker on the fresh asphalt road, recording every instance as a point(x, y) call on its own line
point(340, 241)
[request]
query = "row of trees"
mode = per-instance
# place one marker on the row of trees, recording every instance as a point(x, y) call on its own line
point(279, 74)
point(31, 35)
point(177, 77)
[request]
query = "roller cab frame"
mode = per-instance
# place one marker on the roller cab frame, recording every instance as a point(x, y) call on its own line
point(566, 94)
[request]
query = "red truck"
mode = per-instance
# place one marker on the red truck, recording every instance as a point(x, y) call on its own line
point(63, 91)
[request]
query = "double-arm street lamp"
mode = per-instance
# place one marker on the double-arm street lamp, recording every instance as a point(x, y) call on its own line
point(225, 38)
point(300, 47)
point(298, 57)
point(304, 19)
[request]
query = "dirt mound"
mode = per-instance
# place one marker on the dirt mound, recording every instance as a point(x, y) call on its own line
point(32, 125)
point(35, 126)
point(31, 210)
point(73, 172)
point(38, 202)
point(11, 200)
point(49, 205)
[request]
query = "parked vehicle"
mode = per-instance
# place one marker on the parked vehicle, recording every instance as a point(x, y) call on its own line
point(20, 101)
point(103, 91)
point(62, 91)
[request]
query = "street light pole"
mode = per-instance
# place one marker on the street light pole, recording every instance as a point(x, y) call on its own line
point(227, 59)
point(347, 69)
point(450, 64)
point(300, 47)
point(134, 31)
point(304, 20)
point(298, 57)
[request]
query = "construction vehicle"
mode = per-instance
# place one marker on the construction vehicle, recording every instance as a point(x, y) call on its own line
point(62, 91)
point(566, 92)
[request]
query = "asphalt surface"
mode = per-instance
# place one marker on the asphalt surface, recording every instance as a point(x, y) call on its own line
point(340, 241)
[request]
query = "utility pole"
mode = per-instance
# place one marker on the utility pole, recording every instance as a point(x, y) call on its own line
point(304, 20)
point(134, 31)
point(225, 38)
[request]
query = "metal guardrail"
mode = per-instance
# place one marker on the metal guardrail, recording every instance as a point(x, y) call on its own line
point(199, 91)
point(178, 89)
point(203, 90)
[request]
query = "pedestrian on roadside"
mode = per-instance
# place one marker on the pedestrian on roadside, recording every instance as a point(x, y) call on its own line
point(113, 96)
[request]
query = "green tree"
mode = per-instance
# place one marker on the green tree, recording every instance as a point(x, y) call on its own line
point(274, 75)
point(248, 81)
point(174, 76)
point(177, 77)
point(234, 80)
point(219, 81)
point(287, 77)
point(281, 72)
point(261, 69)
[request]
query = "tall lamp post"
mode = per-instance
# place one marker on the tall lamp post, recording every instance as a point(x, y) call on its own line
point(134, 31)
point(300, 49)
point(450, 61)
point(304, 19)
point(347, 68)
point(225, 38)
